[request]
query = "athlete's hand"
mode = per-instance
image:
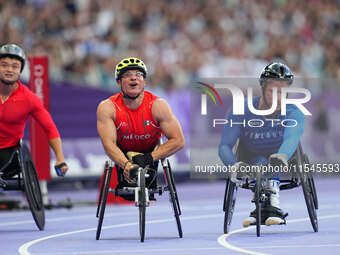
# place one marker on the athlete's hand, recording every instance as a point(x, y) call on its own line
point(61, 168)
point(130, 172)
point(278, 159)
point(240, 172)
point(140, 159)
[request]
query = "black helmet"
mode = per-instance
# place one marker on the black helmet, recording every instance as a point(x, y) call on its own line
point(276, 70)
point(13, 51)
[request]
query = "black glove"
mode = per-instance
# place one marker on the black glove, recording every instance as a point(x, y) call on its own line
point(240, 172)
point(58, 169)
point(141, 159)
point(278, 159)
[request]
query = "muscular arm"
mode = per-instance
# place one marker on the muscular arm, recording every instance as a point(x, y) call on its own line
point(292, 135)
point(228, 140)
point(171, 129)
point(107, 132)
point(41, 115)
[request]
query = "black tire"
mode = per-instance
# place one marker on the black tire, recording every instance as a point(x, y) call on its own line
point(258, 190)
point(312, 184)
point(174, 187)
point(102, 204)
point(32, 187)
point(142, 206)
point(173, 197)
point(229, 204)
point(102, 189)
point(307, 192)
point(313, 189)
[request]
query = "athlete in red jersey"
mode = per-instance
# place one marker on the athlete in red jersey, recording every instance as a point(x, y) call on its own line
point(133, 121)
point(16, 105)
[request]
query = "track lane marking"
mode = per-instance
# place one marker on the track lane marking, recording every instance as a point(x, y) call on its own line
point(222, 240)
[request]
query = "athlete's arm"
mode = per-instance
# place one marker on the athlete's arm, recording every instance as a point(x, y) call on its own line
point(108, 132)
point(171, 128)
point(41, 115)
point(292, 135)
point(228, 140)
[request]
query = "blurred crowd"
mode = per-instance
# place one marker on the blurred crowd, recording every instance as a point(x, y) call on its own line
point(179, 40)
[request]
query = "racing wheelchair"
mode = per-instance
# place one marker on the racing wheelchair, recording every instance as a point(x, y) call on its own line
point(24, 178)
point(300, 176)
point(141, 193)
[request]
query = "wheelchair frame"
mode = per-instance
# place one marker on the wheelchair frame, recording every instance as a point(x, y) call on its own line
point(27, 181)
point(300, 177)
point(141, 193)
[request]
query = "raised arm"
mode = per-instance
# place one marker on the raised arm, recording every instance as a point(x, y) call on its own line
point(171, 129)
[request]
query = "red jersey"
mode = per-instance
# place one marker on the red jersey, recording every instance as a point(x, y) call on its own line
point(137, 129)
point(14, 113)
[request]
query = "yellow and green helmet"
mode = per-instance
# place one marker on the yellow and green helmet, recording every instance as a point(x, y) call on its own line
point(130, 64)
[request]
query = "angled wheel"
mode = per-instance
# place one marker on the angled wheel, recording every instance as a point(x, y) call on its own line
point(102, 188)
point(258, 190)
point(229, 204)
point(102, 204)
point(169, 179)
point(312, 184)
point(142, 204)
point(308, 194)
point(31, 187)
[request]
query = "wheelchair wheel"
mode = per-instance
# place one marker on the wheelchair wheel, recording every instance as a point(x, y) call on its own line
point(258, 190)
point(102, 203)
point(173, 196)
point(308, 194)
point(229, 204)
point(312, 184)
point(102, 188)
point(32, 188)
point(142, 205)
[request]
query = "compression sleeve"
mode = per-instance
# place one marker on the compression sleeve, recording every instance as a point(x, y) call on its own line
point(292, 135)
point(228, 140)
point(41, 115)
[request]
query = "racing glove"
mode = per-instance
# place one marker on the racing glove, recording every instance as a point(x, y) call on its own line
point(140, 159)
point(240, 172)
point(278, 159)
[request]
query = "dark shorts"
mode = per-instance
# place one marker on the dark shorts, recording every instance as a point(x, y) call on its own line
point(13, 167)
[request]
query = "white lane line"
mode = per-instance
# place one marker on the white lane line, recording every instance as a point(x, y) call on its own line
point(11, 223)
point(294, 246)
point(67, 218)
point(133, 251)
point(222, 240)
point(23, 249)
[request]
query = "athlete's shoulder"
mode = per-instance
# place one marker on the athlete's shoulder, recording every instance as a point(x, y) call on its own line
point(254, 101)
point(29, 95)
point(115, 97)
point(294, 112)
point(150, 95)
